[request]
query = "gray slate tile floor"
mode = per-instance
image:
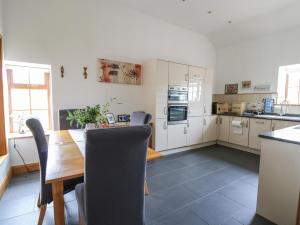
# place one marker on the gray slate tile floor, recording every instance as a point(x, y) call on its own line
point(209, 186)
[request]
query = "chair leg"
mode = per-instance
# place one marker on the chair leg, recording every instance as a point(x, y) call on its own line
point(42, 214)
point(146, 189)
point(39, 202)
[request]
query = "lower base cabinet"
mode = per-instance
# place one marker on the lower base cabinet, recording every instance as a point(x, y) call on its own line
point(258, 126)
point(195, 130)
point(236, 137)
point(223, 128)
point(161, 135)
point(177, 136)
point(210, 128)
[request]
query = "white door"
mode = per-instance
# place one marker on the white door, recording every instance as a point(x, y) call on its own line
point(177, 136)
point(257, 126)
point(210, 128)
point(161, 135)
point(195, 130)
point(178, 74)
point(280, 124)
point(239, 136)
point(196, 91)
point(223, 128)
point(162, 89)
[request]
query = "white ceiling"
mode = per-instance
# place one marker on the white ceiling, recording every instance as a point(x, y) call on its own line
point(250, 18)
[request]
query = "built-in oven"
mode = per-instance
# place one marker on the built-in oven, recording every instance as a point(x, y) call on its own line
point(177, 113)
point(177, 94)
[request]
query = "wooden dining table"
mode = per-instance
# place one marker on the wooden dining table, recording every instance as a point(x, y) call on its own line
point(65, 162)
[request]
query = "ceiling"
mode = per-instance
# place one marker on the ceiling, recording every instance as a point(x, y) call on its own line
point(250, 18)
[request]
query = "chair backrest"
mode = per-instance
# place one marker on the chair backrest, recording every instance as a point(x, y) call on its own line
point(114, 175)
point(63, 123)
point(140, 118)
point(38, 133)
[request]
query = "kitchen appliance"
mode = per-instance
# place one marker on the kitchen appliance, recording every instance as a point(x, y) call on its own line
point(220, 108)
point(177, 113)
point(177, 95)
point(268, 105)
point(238, 108)
point(253, 108)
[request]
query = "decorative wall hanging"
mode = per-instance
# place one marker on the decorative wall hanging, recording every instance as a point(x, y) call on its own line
point(62, 71)
point(119, 72)
point(231, 89)
point(246, 84)
point(85, 72)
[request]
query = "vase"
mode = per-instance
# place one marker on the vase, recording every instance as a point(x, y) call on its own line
point(88, 126)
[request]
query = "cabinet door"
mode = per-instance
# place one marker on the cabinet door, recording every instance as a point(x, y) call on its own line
point(195, 130)
point(279, 124)
point(210, 128)
point(177, 136)
point(162, 89)
point(196, 91)
point(239, 139)
point(223, 128)
point(257, 126)
point(208, 92)
point(161, 134)
point(178, 74)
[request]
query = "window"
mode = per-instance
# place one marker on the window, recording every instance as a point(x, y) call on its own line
point(29, 95)
point(289, 85)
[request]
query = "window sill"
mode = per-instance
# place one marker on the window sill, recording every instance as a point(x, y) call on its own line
point(26, 135)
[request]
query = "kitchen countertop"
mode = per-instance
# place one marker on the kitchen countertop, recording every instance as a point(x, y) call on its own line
point(268, 117)
point(289, 135)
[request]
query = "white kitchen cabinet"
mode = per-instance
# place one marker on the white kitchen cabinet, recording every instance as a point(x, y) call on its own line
point(178, 74)
point(258, 126)
point(195, 130)
point(210, 128)
point(177, 136)
point(208, 91)
point(162, 89)
point(196, 91)
point(161, 135)
point(239, 138)
point(281, 124)
point(223, 128)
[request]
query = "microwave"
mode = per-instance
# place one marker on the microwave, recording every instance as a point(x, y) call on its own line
point(220, 108)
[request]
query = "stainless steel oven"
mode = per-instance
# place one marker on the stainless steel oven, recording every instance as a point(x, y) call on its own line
point(177, 95)
point(177, 113)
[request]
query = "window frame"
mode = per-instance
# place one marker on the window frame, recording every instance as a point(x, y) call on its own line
point(12, 85)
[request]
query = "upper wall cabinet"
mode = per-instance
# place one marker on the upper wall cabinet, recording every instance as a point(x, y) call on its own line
point(196, 91)
point(178, 74)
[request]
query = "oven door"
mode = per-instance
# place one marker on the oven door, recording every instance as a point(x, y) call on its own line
point(175, 96)
point(177, 114)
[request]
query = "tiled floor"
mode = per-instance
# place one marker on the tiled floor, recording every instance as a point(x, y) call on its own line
point(214, 185)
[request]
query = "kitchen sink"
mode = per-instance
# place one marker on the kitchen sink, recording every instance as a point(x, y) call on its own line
point(298, 127)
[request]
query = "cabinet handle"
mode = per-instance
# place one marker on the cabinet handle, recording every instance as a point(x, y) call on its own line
point(220, 120)
point(247, 124)
point(260, 122)
point(204, 122)
point(273, 127)
point(186, 77)
point(185, 130)
point(188, 123)
point(189, 111)
point(165, 125)
point(217, 120)
point(204, 108)
point(165, 110)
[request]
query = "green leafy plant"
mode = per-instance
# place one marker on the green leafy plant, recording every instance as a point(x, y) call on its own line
point(95, 115)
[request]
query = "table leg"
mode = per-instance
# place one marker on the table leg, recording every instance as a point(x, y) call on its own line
point(58, 202)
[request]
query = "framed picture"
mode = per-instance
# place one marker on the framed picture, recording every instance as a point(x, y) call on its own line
point(231, 89)
point(246, 84)
point(110, 118)
point(119, 72)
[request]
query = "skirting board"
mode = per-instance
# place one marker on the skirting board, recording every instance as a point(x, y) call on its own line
point(183, 149)
point(242, 148)
point(5, 182)
point(22, 169)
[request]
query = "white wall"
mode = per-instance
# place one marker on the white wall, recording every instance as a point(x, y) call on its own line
point(1, 16)
point(257, 60)
point(75, 33)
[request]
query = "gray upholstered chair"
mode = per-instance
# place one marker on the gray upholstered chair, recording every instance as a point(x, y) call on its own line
point(45, 196)
point(140, 118)
point(113, 190)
